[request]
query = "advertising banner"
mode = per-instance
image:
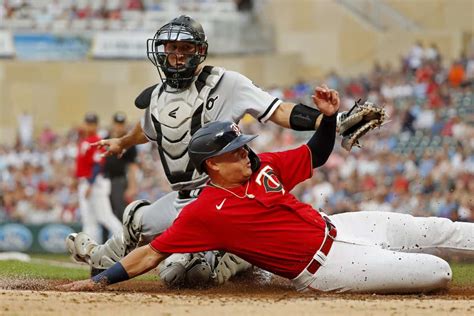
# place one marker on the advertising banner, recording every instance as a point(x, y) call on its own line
point(47, 238)
point(120, 45)
point(51, 47)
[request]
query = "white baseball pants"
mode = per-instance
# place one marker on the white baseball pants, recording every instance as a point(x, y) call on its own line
point(387, 253)
point(96, 208)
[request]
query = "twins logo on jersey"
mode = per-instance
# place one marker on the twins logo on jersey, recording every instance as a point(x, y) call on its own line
point(270, 182)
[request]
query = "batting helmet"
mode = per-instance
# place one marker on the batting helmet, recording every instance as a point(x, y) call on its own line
point(180, 29)
point(217, 138)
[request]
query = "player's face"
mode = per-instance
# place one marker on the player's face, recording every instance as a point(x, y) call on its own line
point(178, 52)
point(119, 129)
point(234, 166)
point(90, 128)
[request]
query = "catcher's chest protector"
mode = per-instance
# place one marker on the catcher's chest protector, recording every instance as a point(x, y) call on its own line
point(176, 117)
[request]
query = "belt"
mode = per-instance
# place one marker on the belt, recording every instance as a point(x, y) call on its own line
point(188, 194)
point(321, 254)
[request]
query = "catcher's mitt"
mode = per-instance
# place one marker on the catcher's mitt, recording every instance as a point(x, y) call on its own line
point(362, 118)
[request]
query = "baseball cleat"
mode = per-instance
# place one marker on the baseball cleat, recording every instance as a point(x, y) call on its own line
point(72, 249)
point(80, 246)
point(84, 244)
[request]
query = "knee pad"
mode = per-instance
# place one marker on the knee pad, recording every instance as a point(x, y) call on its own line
point(106, 255)
point(132, 222)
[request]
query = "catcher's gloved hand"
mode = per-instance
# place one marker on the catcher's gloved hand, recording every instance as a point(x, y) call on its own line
point(362, 118)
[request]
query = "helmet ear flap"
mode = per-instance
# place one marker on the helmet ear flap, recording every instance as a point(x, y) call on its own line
point(254, 160)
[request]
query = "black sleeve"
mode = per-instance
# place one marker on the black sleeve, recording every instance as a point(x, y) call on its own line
point(321, 143)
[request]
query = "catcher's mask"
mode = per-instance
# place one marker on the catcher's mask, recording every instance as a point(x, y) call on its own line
point(217, 138)
point(180, 29)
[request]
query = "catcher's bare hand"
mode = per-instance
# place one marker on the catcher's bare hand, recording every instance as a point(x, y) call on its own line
point(326, 100)
point(112, 146)
point(84, 285)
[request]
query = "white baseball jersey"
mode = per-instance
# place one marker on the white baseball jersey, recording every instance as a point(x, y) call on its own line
point(171, 119)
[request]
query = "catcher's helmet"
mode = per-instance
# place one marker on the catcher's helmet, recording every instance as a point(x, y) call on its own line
point(216, 138)
point(181, 29)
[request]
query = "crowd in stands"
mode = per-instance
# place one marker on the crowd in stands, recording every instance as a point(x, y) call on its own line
point(57, 14)
point(421, 162)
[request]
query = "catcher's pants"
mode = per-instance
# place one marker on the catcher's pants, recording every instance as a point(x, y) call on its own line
point(388, 252)
point(152, 220)
point(96, 209)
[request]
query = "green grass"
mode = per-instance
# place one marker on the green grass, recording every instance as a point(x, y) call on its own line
point(18, 269)
point(55, 257)
point(463, 273)
point(51, 269)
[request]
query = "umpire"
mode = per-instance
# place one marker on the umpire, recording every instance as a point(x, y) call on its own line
point(122, 171)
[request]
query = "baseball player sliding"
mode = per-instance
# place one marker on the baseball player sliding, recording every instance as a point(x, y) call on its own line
point(246, 209)
point(188, 96)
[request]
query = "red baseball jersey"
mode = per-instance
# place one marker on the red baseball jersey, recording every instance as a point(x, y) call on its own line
point(269, 227)
point(87, 156)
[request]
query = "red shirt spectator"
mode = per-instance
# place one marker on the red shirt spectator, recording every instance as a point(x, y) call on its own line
point(400, 184)
point(456, 74)
point(134, 5)
point(424, 74)
point(369, 183)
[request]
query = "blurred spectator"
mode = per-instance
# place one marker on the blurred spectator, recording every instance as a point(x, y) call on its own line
point(25, 129)
point(47, 136)
point(456, 74)
point(432, 53)
point(134, 5)
point(415, 56)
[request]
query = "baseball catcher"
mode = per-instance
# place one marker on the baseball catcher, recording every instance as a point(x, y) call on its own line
point(358, 121)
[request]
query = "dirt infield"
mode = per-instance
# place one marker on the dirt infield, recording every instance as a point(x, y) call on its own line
point(39, 297)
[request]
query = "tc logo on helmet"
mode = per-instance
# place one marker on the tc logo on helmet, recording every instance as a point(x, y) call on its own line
point(236, 129)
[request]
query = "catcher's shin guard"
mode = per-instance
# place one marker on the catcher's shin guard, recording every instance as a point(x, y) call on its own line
point(132, 223)
point(117, 247)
